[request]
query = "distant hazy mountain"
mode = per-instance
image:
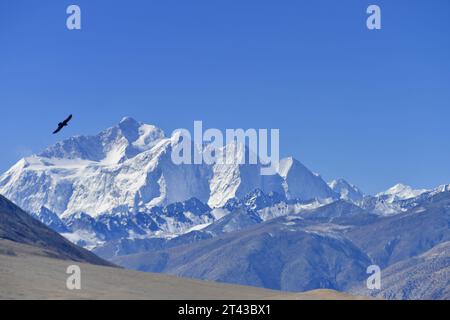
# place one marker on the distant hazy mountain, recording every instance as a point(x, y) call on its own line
point(300, 251)
point(285, 253)
point(394, 238)
point(426, 276)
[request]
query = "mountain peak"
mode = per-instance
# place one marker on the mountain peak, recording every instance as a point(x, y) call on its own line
point(339, 181)
point(130, 128)
point(347, 190)
point(115, 144)
point(128, 121)
point(398, 188)
point(301, 183)
point(285, 165)
point(402, 191)
point(138, 132)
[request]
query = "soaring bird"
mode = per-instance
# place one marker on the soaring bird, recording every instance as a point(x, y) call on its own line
point(63, 124)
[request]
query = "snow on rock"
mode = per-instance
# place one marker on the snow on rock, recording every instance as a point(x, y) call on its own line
point(300, 183)
point(346, 190)
point(128, 168)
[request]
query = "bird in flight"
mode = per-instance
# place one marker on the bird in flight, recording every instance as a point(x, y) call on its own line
point(63, 124)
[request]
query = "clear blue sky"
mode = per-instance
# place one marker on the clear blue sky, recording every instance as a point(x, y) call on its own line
point(370, 106)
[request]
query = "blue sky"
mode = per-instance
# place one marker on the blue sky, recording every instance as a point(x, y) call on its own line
point(370, 106)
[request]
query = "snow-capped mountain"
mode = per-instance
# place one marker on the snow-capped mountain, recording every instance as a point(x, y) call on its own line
point(127, 170)
point(123, 168)
point(401, 192)
point(399, 198)
point(346, 190)
point(164, 222)
point(301, 183)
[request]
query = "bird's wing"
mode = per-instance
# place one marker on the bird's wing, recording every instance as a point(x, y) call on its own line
point(68, 119)
point(57, 130)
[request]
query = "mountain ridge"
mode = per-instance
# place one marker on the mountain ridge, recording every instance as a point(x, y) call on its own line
point(19, 227)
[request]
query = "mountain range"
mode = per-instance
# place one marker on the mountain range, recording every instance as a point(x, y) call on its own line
point(34, 261)
point(122, 182)
point(119, 195)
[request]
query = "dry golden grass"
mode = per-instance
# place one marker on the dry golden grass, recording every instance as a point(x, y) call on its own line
point(29, 273)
